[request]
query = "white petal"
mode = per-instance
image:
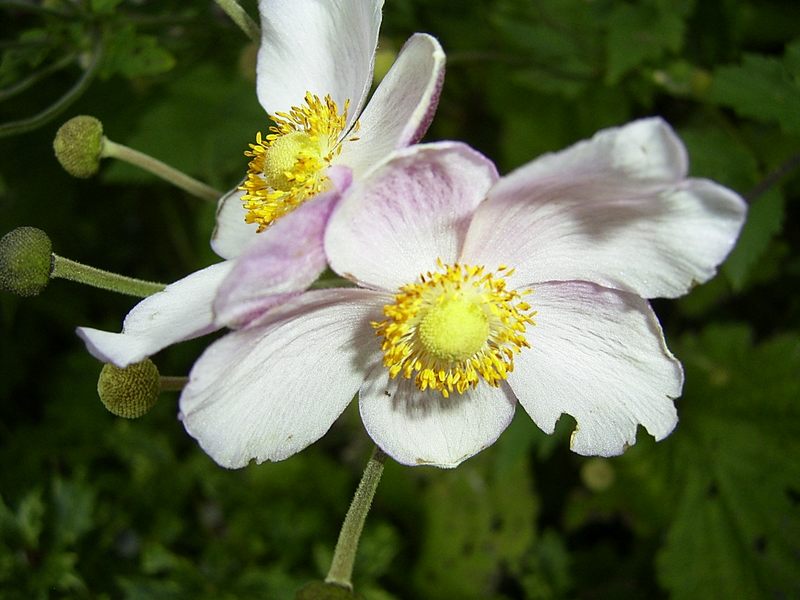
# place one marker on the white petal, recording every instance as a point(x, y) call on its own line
point(286, 259)
point(232, 234)
point(401, 109)
point(598, 355)
point(182, 311)
point(268, 391)
point(614, 210)
point(393, 224)
point(423, 428)
point(322, 47)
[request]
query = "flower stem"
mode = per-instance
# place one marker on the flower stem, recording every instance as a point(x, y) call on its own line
point(75, 271)
point(52, 111)
point(159, 169)
point(344, 556)
point(241, 18)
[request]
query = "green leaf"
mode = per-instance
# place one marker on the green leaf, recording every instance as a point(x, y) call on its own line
point(764, 221)
point(104, 7)
point(722, 157)
point(733, 466)
point(638, 34)
point(74, 506)
point(763, 88)
point(132, 54)
point(474, 525)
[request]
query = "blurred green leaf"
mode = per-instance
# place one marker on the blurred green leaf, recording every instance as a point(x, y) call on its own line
point(202, 124)
point(733, 464)
point(764, 221)
point(133, 54)
point(104, 7)
point(73, 503)
point(640, 33)
point(764, 88)
point(473, 527)
point(720, 156)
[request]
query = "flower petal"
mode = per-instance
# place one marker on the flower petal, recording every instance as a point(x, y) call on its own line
point(393, 225)
point(401, 109)
point(231, 233)
point(286, 259)
point(267, 391)
point(181, 311)
point(598, 355)
point(615, 210)
point(423, 428)
point(322, 47)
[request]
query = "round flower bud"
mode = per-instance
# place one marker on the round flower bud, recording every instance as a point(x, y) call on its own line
point(598, 474)
point(130, 392)
point(25, 261)
point(78, 144)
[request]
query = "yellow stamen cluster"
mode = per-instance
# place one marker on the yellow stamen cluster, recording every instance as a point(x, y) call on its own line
point(288, 164)
point(454, 328)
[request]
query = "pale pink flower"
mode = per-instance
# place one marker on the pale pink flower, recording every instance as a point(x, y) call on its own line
point(315, 66)
point(475, 294)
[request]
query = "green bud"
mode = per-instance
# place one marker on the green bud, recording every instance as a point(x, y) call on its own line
point(130, 392)
point(25, 261)
point(598, 474)
point(317, 590)
point(78, 145)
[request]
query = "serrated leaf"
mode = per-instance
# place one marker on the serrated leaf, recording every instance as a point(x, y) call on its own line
point(733, 463)
point(132, 54)
point(763, 88)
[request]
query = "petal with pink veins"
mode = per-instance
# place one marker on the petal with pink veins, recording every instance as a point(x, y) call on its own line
point(393, 224)
point(284, 260)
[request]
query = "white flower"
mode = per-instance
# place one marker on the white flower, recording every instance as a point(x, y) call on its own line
point(475, 294)
point(315, 68)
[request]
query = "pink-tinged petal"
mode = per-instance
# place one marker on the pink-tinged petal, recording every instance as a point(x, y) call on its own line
point(598, 355)
point(401, 109)
point(282, 263)
point(615, 211)
point(423, 428)
point(268, 391)
point(232, 234)
point(318, 46)
point(181, 311)
point(393, 225)
point(285, 259)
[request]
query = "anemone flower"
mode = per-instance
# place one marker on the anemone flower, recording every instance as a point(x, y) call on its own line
point(314, 73)
point(473, 294)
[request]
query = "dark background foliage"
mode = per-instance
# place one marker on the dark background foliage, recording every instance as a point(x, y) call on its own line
point(92, 506)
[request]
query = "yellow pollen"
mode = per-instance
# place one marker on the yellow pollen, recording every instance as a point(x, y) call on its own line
point(453, 328)
point(287, 166)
